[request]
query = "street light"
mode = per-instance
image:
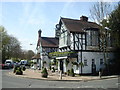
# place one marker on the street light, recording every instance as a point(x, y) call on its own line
point(37, 56)
point(33, 45)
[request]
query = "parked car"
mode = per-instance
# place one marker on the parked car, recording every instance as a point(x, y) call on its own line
point(24, 62)
point(4, 66)
point(10, 63)
point(16, 64)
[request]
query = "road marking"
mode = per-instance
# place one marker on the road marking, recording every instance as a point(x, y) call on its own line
point(61, 87)
point(88, 86)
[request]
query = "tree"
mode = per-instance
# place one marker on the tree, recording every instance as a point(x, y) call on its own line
point(23, 54)
point(30, 54)
point(5, 41)
point(114, 24)
point(1, 30)
point(100, 11)
point(10, 46)
point(14, 48)
point(27, 54)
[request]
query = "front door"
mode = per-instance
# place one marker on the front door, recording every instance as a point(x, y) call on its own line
point(93, 67)
point(61, 65)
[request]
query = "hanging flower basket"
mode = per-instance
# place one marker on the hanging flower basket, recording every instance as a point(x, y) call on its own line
point(81, 64)
point(44, 73)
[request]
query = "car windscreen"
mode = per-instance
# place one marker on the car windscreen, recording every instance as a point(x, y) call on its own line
point(8, 62)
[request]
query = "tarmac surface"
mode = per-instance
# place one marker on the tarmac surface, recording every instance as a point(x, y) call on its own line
point(18, 81)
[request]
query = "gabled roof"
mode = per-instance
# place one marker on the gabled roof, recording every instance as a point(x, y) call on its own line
point(48, 42)
point(74, 25)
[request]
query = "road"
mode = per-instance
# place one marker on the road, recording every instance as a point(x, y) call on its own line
point(18, 82)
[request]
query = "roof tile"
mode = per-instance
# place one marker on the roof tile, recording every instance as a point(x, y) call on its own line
point(74, 25)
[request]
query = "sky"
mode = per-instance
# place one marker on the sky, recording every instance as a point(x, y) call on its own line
point(24, 19)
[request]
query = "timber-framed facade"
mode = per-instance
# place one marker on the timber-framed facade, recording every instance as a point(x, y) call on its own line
point(76, 45)
point(82, 37)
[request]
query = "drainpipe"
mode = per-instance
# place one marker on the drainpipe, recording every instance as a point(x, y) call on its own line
point(81, 61)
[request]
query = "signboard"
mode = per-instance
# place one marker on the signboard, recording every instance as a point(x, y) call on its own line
point(62, 54)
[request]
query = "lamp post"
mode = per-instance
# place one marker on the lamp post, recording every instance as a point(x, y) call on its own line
point(33, 45)
point(34, 55)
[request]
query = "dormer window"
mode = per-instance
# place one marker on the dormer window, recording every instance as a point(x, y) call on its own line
point(92, 37)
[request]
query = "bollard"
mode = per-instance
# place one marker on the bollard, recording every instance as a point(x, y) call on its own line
point(99, 74)
point(60, 74)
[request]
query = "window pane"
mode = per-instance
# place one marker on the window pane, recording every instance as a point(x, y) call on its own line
point(85, 62)
point(101, 61)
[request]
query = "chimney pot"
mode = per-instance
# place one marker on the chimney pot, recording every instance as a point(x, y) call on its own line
point(39, 32)
point(84, 18)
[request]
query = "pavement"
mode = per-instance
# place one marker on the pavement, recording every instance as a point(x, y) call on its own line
point(36, 74)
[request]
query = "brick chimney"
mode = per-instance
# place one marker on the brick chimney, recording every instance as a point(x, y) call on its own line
point(84, 18)
point(39, 33)
point(39, 37)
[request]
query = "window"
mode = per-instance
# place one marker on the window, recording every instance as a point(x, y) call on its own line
point(85, 62)
point(88, 38)
point(101, 61)
point(63, 28)
point(93, 61)
point(92, 38)
point(63, 37)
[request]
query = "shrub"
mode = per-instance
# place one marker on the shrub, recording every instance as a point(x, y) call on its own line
point(68, 72)
point(14, 70)
point(23, 68)
point(19, 71)
point(16, 67)
point(44, 73)
point(35, 62)
point(65, 73)
point(72, 72)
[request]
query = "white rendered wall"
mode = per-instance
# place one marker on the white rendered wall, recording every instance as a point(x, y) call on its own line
point(93, 55)
point(88, 56)
point(47, 64)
